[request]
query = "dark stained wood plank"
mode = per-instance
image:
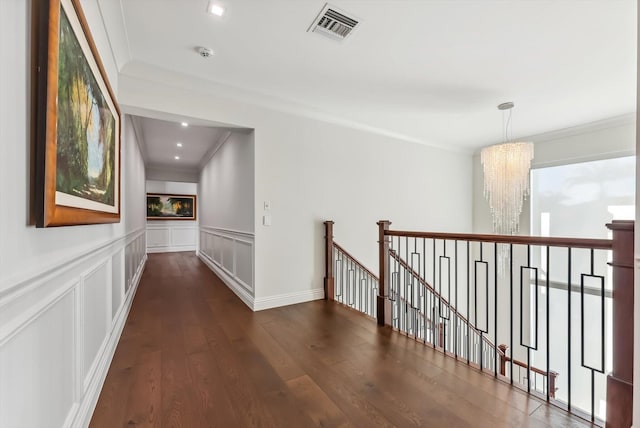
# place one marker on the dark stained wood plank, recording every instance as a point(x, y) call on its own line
point(359, 410)
point(144, 403)
point(179, 402)
point(317, 404)
point(111, 407)
point(193, 355)
point(278, 358)
point(210, 393)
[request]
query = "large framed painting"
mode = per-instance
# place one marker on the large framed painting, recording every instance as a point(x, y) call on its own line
point(77, 171)
point(162, 206)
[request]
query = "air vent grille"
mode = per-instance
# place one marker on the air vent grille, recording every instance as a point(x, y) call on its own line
point(333, 23)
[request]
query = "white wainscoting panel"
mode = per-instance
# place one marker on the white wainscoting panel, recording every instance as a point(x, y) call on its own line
point(158, 237)
point(117, 279)
point(58, 331)
point(37, 369)
point(169, 236)
point(95, 319)
point(230, 254)
point(244, 271)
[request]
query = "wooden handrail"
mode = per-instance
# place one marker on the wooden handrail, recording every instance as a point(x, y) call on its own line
point(597, 244)
point(360, 265)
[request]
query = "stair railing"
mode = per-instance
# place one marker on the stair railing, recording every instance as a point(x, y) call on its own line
point(463, 293)
point(348, 281)
point(466, 342)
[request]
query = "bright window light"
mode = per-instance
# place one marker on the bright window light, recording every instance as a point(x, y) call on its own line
point(184, 124)
point(216, 9)
point(179, 144)
point(176, 157)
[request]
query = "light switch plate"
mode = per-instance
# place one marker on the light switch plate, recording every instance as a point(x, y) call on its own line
point(267, 205)
point(266, 220)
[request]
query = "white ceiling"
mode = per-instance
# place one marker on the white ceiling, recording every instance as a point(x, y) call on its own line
point(430, 70)
point(159, 139)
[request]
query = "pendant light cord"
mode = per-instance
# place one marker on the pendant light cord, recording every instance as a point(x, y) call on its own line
point(506, 125)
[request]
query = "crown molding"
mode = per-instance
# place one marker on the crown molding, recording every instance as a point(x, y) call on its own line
point(572, 131)
point(137, 70)
point(113, 20)
point(627, 119)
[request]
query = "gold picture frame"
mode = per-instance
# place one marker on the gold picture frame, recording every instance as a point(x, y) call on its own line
point(165, 206)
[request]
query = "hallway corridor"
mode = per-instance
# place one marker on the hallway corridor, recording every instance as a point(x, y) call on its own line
point(193, 355)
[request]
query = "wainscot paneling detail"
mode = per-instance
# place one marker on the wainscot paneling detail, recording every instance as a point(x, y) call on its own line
point(65, 320)
point(230, 254)
point(170, 236)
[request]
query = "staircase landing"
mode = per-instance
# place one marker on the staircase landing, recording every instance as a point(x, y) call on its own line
point(193, 355)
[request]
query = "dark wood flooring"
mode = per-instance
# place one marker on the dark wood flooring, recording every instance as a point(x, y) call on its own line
point(193, 355)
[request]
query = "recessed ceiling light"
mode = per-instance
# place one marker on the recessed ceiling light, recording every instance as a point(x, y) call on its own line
point(184, 124)
point(176, 157)
point(179, 144)
point(215, 9)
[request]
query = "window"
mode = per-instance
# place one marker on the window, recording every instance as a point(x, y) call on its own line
point(577, 200)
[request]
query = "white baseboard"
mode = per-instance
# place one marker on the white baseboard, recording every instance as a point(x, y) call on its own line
point(261, 303)
point(230, 282)
point(171, 249)
point(88, 405)
point(268, 302)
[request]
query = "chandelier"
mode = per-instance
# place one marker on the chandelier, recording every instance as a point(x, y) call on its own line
point(506, 178)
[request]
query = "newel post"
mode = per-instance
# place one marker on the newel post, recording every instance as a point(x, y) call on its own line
point(383, 306)
point(620, 380)
point(329, 290)
point(503, 359)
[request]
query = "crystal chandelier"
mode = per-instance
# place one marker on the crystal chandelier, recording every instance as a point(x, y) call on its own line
point(506, 178)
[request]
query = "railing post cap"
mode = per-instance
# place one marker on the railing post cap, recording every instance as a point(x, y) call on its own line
point(329, 222)
point(621, 225)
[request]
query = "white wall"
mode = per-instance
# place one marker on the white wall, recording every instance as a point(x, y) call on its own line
point(311, 171)
point(605, 139)
point(169, 174)
point(227, 213)
point(64, 292)
point(227, 185)
point(165, 236)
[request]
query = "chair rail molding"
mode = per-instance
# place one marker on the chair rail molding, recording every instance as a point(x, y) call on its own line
point(65, 317)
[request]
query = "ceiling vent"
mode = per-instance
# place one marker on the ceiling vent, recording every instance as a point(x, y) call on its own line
point(333, 23)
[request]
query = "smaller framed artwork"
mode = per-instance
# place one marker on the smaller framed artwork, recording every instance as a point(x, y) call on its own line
point(163, 206)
